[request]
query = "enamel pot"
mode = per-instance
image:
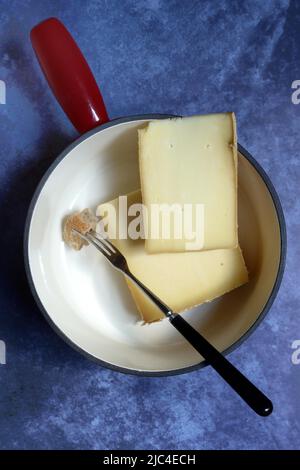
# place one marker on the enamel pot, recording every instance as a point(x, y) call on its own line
point(82, 297)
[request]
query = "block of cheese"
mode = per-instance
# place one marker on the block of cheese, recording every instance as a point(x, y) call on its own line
point(192, 161)
point(181, 280)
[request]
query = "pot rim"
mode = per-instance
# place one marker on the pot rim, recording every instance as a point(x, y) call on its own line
point(236, 344)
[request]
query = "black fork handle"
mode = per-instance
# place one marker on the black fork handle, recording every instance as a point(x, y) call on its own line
point(242, 386)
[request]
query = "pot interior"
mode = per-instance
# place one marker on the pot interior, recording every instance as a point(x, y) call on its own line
point(88, 301)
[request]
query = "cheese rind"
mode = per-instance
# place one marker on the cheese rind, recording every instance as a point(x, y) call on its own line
point(192, 161)
point(181, 280)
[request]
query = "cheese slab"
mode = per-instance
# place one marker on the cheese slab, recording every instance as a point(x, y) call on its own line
point(191, 161)
point(181, 280)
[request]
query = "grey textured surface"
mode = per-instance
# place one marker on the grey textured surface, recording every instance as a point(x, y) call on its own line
point(178, 57)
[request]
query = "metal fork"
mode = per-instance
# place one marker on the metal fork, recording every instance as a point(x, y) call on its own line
point(243, 387)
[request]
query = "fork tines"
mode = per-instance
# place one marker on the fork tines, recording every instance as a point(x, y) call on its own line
point(103, 245)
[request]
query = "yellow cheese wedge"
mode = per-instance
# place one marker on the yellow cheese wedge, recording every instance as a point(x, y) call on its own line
point(181, 280)
point(191, 160)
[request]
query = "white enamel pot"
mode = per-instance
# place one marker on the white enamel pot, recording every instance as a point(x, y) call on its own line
point(82, 297)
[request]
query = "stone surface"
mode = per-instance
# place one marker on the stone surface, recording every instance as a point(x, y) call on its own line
point(163, 56)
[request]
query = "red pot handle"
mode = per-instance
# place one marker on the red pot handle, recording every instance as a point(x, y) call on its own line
point(68, 74)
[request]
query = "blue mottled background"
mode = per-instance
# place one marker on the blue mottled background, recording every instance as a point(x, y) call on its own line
point(149, 56)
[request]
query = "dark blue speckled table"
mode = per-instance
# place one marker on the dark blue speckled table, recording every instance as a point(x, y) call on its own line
point(149, 56)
